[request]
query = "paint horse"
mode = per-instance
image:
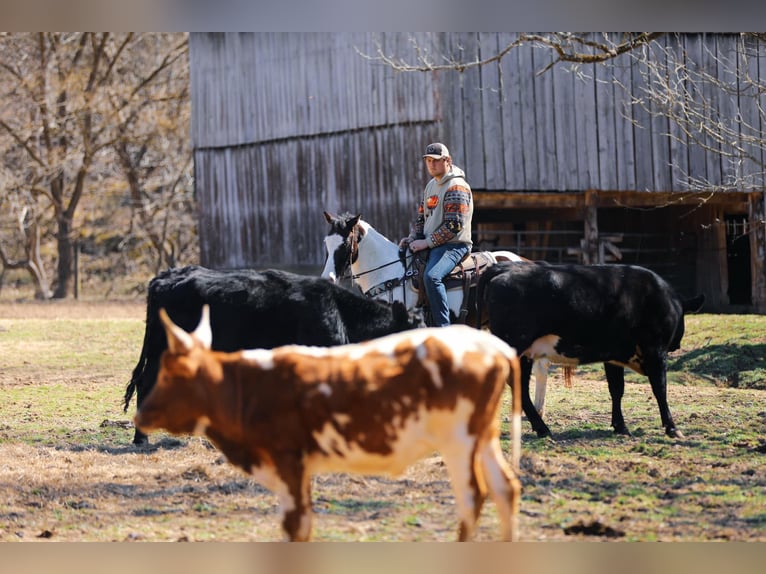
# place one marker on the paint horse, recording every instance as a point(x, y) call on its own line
point(357, 250)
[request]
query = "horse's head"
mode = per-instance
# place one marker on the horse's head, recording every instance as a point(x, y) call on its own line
point(341, 244)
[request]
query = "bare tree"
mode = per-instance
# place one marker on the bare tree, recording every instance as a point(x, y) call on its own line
point(27, 229)
point(712, 99)
point(70, 100)
point(427, 55)
point(153, 151)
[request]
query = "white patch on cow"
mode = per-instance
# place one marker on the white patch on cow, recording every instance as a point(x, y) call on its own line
point(457, 452)
point(410, 439)
point(633, 363)
point(431, 367)
point(331, 243)
point(341, 419)
point(459, 338)
point(267, 477)
point(201, 426)
point(325, 389)
point(546, 347)
point(264, 358)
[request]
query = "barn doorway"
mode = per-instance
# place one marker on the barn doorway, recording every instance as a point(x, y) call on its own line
point(738, 260)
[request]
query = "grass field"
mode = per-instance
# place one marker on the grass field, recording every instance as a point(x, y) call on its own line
point(68, 471)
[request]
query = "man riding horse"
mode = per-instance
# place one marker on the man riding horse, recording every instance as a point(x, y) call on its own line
point(442, 225)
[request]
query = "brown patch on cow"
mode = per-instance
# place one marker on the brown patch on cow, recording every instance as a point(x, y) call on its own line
point(374, 388)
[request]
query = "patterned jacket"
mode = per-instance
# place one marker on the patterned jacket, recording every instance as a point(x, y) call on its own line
point(446, 210)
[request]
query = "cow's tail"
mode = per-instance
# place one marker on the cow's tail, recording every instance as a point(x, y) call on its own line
point(483, 278)
point(693, 304)
point(568, 375)
point(138, 370)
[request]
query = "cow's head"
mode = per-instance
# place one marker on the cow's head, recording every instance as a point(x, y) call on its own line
point(179, 399)
point(406, 319)
point(341, 244)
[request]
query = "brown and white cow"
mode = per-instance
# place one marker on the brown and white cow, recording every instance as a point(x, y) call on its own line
point(376, 407)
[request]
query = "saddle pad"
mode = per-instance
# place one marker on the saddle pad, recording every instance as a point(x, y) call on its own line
point(469, 268)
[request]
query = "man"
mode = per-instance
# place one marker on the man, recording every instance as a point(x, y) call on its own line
point(443, 225)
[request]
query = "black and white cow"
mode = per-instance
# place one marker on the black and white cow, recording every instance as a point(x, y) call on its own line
point(621, 315)
point(258, 309)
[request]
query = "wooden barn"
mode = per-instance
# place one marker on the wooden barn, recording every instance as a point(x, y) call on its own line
point(564, 166)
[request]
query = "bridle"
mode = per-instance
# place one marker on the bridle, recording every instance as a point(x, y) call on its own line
point(386, 286)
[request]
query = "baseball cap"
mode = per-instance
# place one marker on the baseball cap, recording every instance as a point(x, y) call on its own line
point(437, 151)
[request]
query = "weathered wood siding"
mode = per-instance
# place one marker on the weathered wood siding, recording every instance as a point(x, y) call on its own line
point(286, 125)
point(571, 130)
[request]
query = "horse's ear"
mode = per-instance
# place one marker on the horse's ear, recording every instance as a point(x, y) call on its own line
point(329, 217)
point(354, 220)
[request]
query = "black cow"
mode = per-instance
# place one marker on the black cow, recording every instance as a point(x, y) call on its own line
point(258, 309)
point(621, 315)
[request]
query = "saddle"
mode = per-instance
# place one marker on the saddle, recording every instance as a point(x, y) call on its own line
point(465, 275)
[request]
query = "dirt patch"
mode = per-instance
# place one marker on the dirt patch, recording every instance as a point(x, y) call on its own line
point(67, 309)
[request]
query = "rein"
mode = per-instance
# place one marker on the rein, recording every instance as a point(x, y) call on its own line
point(386, 286)
point(363, 273)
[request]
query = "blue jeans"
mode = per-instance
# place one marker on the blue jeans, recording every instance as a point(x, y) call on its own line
point(441, 260)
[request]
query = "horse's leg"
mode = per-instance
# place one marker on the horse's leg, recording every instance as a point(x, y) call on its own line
point(540, 370)
point(534, 418)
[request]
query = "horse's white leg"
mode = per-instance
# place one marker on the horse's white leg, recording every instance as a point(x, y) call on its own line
point(540, 370)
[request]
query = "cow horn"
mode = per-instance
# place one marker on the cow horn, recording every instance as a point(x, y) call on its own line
point(203, 332)
point(179, 341)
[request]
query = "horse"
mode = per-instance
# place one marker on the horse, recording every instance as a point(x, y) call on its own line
point(374, 263)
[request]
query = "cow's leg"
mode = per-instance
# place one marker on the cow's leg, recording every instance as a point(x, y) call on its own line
point(504, 487)
point(527, 405)
point(150, 374)
point(465, 469)
point(615, 376)
point(656, 370)
point(540, 370)
point(295, 500)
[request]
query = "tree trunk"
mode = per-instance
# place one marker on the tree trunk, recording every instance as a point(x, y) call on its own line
point(65, 257)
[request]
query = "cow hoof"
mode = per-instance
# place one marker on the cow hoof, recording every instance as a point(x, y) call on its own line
point(544, 433)
point(674, 433)
point(622, 431)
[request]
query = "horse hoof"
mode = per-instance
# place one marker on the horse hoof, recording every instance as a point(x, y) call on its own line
point(622, 431)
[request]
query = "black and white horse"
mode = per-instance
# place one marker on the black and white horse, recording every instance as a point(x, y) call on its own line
point(357, 250)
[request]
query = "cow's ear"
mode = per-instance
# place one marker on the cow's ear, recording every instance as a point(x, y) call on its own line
point(203, 333)
point(399, 312)
point(179, 341)
point(329, 217)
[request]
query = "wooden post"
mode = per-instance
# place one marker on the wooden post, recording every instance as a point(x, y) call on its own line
point(590, 219)
point(757, 228)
